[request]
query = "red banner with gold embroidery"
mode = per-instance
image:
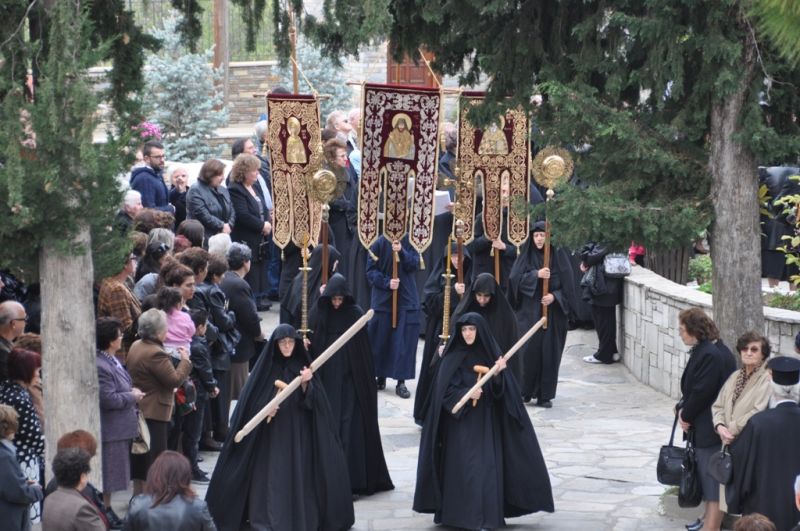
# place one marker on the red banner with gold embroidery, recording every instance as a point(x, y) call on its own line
point(294, 141)
point(496, 155)
point(399, 142)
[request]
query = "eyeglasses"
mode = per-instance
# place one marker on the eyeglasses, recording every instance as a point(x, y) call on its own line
point(156, 156)
point(21, 319)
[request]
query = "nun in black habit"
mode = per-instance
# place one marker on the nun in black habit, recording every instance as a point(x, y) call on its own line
point(482, 249)
point(541, 355)
point(349, 380)
point(291, 261)
point(292, 301)
point(290, 474)
point(433, 306)
point(482, 464)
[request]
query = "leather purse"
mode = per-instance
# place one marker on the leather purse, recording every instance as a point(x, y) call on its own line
point(690, 491)
point(670, 460)
point(720, 467)
point(616, 265)
point(141, 444)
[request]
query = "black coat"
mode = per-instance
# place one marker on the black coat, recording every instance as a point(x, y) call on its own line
point(609, 290)
point(705, 373)
point(241, 302)
point(210, 206)
point(484, 463)
point(249, 217)
point(290, 473)
point(349, 381)
point(766, 461)
point(179, 514)
point(292, 301)
point(481, 249)
point(224, 320)
point(178, 200)
point(202, 371)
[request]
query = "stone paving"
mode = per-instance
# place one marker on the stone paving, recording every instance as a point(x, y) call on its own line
point(600, 441)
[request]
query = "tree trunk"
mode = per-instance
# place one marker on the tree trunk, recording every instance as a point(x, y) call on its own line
point(738, 306)
point(69, 373)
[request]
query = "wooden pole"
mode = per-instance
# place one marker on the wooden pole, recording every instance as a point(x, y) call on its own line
point(293, 42)
point(294, 384)
point(546, 281)
point(220, 14)
point(518, 345)
point(460, 250)
point(497, 265)
point(325, 209)
point(395, 261)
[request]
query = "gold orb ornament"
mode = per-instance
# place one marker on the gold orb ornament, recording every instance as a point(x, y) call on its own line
point(552, 166)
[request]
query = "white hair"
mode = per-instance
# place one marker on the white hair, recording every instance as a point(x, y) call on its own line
point(334, 117)
point(152, 323)
point(219, 244)
point(132, 197)
point(172, 170)
point(354, 113)
point(797, 485)
point(784, 392)
point(261, 128)
point(161, 235)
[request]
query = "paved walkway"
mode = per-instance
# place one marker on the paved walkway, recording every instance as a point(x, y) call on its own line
point(600, 441)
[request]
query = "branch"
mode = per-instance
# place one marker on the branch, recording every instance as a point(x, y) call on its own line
point(21, 24)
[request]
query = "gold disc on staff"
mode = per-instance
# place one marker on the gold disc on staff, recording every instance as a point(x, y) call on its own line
point(327, 182)
point(552, 166)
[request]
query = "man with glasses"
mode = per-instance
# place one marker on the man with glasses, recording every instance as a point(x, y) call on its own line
point(12, 325)
point(148, 180)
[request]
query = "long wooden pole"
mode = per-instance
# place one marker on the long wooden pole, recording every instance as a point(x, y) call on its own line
point(294, 384)
point(293, 42)
point(325, 255)
point(460, 250)
point(518, 345)
point(546, 281)
point(395, 260)
point(497, 265)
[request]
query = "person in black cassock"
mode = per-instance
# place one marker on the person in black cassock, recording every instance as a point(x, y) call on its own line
point(433, 306)
point(289, 474)
point(482, 464)
point(349, 380)
point(482, 248)
point(342, 214)
point(766, 455)
point(292, 301)
point(483, 298)
point(394, 349)
point(541, 356)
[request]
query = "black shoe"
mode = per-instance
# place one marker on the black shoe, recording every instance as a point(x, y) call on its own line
point(381, 383)
point(697, 525)
point(210, 445)
point(263, 306)
point(273, 297)
point(544, 403)
point(114, 521)
point(402, 391)
point(198, 476)
point(526, 398)
point(200, 459)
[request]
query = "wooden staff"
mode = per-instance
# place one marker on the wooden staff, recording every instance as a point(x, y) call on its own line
point(325, 210)
point(293, 44)
point(395, 261)
point(460, 251)
point(496, 265)
point(546, 281)
point(294, 384)
point(480, 370)
point(485, 378)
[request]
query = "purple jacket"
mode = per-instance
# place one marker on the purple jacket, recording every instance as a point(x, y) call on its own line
point(118, 421)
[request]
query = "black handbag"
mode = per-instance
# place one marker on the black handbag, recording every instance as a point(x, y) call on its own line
point(690, 491)
point(720, 467)
point(670, 460)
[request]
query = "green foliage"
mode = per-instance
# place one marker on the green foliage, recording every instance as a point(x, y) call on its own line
point(705, 287)
point(788, 301)
point(182, 97)
point(780, 21)
point(700, 269)
point(54, 179)
point(325, 76)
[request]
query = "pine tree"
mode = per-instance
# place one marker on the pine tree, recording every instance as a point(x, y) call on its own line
point(324, 74)
point(182, 97)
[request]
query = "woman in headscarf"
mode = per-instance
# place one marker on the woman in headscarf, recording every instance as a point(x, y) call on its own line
point(433, 306)
point(349, 382)
point(541, 355)
point(292, 301)
point(290, 473)
point(482, 464)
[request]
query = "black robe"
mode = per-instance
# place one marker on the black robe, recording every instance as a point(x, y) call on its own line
point(766, 461)
point(541, 355)
point(442, 228)
point(349, 381)
point(433, 306)
point(483, 464)
point(291, 261)
point(481, 249)
point(342, 220)
point(290, 474)
point(292, 301)
point(357, 274)
point(498, 313)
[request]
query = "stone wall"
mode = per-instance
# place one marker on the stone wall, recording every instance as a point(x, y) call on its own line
point(245, 80)
point(648, 328)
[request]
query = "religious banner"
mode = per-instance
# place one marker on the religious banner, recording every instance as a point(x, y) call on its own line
point(499, 157)
point(399, 142)
point(294, 145)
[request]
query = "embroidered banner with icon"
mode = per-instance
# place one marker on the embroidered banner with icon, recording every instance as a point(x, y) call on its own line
point(399, 145)
point(294, 145)
point(498, 157)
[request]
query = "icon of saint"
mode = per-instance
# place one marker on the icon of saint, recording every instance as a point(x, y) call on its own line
point(400, 143)
point(295, 149)
point(494, 140)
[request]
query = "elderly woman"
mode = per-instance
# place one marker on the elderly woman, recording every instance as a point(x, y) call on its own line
point(169, 501)
point(118, 399)
point(67, 508)
point(116, 299)
point(252, 222)
point(16, 493)
point(23, 373)
point(179, 178)
point(153, 372)
point(709, 366)
point(210, 203)
point(193, 230)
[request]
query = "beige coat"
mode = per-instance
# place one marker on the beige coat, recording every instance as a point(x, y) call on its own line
point(151, 371)
point(754, 398)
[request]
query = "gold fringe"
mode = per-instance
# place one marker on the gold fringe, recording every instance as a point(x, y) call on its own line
point(421, 263)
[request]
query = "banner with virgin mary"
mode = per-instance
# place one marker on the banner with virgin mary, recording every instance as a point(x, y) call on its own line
point(499, 157)
point(294, 145)
point(399, 140)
